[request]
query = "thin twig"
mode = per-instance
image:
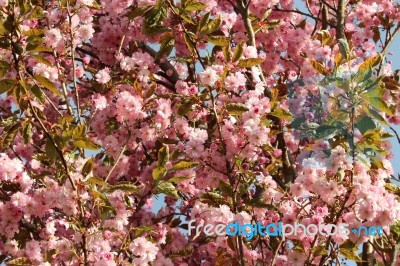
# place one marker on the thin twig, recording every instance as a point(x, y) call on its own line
point(386, 47)
point(302, 13)
point(244, 10)
point(78, 106)
point(276, 252)
point(63, 85)
point(395, 132)
point(118, 159)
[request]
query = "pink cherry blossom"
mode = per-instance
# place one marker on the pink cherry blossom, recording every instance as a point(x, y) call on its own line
point(103, 76)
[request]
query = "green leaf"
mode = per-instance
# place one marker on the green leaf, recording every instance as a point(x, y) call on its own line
point(386, 135)
point(43, 60)
point(155, 30)
point(195, 6)
point(159, 172)
point(212, 26)
point(182, 165)
point(257, 203)
point(9, 23)
point(177, 179)
point(212, 195)
point(226, 50)
point(163, 156)
point(42, 49)
point(236, 108)
point(87, 167)
point(319, 251)
point(204, 20)
point(38, 93)
point(139, 11)
point(128, 201)
point(27, 132)
point(325, 37)
point(142, 229)
point(4, 68)
point(37, 13)
point(319, 67)
point(150, 91)
point(127, 187)
point(19, 261)
point(79, 132)
point(370, 62)
point(378, 117)
point(266, 14)
point(33, 42)
point(6, 84)
point(273, 24)
point(344, 48)
point(153, 17)
point(282, 113)
point(374, 98)
point(167, 45)
point(297, 122)
point(85, 143)
point(219, 40)
point(37, 32)
point(10, 135)
point(363, 75)
point(238, 53)
point(6, 122)
point(184, 108)
point(365, 123)
point(348, 244)
point(47, 84)
point(250, 62)
point(225, 188)
point(168, 189)
point(51, 150)
point(350, 254)
point(327, 131)
point(186, 16)
point(96, 181)
point(190, 43)
point(3, 30)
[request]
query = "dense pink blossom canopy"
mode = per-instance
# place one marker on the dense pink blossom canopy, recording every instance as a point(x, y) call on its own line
point(236, 111)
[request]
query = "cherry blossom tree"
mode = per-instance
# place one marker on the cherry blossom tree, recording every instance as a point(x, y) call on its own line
point(237, 111)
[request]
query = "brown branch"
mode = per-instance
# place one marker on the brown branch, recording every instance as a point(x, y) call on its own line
point(394, 254)
point(328, 5)
point(64, 86)
point(304, 14)
point(325, 17)
point(78, 105)
point(343, 207)
point(80, 49)
point(276, 252)
point(119, 157)
point(165, 65)
point(341, 13)
point(288, 169)
point(367, 254)
point(243, 8)
point(395, 132)
point(388, 42)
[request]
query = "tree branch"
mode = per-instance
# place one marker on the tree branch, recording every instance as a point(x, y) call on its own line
point(341, 13)
point(394, 254)
point(165, 65)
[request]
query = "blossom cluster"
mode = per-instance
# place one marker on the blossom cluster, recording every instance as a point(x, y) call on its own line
point(231, 117)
